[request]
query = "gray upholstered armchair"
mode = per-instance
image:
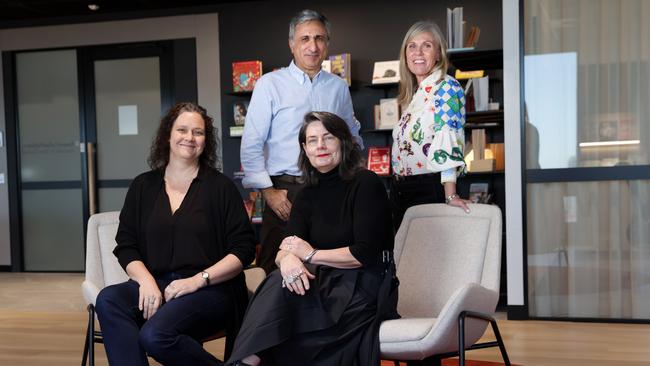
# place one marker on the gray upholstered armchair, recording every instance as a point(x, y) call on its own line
point(448, 263)
point(103, 269)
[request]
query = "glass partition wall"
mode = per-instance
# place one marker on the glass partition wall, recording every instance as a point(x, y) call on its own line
point(587, 106)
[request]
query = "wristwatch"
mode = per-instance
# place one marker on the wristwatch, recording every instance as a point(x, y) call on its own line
point(206, 276)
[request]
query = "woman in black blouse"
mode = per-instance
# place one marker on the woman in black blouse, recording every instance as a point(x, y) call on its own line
point(184, 238)
point(323, 305)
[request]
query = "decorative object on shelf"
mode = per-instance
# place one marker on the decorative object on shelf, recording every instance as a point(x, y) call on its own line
point(236, 131)
point(341, 66)
point(379, 160)
point(476, 159)
point(245, 74)
point(497, 151)
point(389, 113)
point(385, 72)
point(239, 110)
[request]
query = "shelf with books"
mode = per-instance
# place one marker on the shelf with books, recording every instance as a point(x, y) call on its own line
point(476, 59)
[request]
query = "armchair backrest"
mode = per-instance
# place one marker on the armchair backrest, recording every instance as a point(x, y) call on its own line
point(102, 268)
point(439, 249)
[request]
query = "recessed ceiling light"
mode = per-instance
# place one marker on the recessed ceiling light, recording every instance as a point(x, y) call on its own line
point(93, 7)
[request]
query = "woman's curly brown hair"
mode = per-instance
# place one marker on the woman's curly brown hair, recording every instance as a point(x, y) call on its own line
point(159, 152)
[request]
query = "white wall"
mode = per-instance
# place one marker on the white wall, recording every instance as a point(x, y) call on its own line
point(203, 27)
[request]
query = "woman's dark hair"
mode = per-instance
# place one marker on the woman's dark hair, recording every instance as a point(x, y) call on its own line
point(159, 152)
point(351, 160)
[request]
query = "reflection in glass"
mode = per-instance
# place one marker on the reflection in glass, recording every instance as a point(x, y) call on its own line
point(589, 249)
point(587, 82)
point(52, 234)
point(48, 115)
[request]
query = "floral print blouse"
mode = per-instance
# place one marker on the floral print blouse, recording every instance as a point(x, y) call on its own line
point(429, 137)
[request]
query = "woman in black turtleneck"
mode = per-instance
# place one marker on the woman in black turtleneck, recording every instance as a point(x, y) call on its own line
point(324, 304)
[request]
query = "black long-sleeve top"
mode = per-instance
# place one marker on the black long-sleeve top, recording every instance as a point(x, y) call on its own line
point(336, 213)
point(210, 223)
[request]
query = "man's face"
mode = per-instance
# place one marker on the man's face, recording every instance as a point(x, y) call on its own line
point(309, 46)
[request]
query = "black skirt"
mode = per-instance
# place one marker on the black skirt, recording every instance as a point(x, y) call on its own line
point(335, 323)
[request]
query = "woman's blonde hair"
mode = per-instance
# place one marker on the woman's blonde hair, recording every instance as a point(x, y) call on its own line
point(408, 83)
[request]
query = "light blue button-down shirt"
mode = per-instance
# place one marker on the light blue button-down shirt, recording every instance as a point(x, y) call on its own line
point(276, 111)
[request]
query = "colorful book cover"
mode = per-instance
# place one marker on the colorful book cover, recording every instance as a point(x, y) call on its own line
point(379, 160)
point(341, 66)
point(245, 74)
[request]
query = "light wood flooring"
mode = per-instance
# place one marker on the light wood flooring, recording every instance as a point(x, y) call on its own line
point(43, 322)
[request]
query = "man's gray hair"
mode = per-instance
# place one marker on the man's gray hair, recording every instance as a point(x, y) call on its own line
point(308, 16)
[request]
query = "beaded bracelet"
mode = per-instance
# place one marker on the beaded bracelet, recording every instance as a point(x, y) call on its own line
point(451, 197)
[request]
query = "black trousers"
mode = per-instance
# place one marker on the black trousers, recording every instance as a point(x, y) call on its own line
point(414, 190)
point(273, 227)
point(172, 336)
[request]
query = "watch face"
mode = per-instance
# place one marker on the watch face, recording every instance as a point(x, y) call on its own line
point(205, 275)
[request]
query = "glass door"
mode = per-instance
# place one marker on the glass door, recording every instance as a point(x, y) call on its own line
point(127, 112)
point(48, 129)
point(85, 119)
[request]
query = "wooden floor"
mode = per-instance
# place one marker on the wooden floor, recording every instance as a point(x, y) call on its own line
point(42, 322)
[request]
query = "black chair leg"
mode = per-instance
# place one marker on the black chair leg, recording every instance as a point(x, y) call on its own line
point(495, 329)
point(502, 346)
point(85, 354)
point(91, 334)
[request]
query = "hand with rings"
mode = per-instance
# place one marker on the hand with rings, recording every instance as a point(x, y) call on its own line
point(295, 277)
point(296, 246)
point(182, 287)
point(150, 298)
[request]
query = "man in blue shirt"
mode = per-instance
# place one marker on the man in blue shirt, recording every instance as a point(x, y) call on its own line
point(270, 148)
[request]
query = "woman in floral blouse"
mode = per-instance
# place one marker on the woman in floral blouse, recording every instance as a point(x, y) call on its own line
point(427, 152)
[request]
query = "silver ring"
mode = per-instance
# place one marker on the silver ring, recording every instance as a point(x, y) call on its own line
point(151, 301)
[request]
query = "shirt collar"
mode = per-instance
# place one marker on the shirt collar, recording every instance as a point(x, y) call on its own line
point(300, 75)
point(432, 79)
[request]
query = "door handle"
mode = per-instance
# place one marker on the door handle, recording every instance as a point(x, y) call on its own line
point(92, 183)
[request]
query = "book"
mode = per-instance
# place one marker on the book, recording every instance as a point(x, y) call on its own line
point(341, 66)
point(389, 113)
point(245, 74)
point(472, 37)
point(239, 110)
point(379, 160)
point(479, 192)
point(258, 207)
point(377, 116)
point(455, 25)
point(326, 66)
point(460, 75)
point(385, 72)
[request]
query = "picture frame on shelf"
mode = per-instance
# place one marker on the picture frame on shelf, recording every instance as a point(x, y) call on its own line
point(239, 111)
point(385, 72)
